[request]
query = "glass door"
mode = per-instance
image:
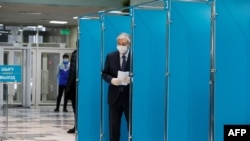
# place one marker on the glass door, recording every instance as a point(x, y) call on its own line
point(47, 81)
point(17, 93)
point(49, 62)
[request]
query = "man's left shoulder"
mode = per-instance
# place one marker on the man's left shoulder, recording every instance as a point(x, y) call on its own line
point(114, 53)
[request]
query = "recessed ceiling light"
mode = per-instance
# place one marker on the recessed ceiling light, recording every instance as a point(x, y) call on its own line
point(39, 26)
point(0, 6)
point(115, 12)
point(75, 17)
point(30, 13)
point(88, 18)
point(1, 24)
point(118, 12)
point(58, 22)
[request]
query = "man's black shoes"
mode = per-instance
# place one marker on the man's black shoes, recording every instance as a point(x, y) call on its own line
point(56, 110)
point(71, 130)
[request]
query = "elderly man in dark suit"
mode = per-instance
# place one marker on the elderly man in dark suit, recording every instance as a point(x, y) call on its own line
point(118, 90)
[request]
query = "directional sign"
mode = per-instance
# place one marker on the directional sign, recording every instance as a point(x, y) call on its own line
point(10, 73)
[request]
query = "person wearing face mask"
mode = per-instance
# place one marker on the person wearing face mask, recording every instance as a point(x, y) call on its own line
point(118, 93)
point(62, 75)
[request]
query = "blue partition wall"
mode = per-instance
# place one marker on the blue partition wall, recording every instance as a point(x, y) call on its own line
point(149, 75)
point(113, 26)
point(189, 64)
point(232, 93)
point(89, 68)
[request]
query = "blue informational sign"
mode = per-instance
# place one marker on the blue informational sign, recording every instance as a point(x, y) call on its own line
point(10, 73)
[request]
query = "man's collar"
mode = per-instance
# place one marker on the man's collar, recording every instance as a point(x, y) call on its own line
point(126, 54)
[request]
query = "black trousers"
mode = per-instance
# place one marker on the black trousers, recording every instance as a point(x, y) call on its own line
point(59, 97)
point(73, 102)
point(115, 116)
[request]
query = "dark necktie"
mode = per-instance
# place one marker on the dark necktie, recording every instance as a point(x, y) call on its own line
point(123, 62)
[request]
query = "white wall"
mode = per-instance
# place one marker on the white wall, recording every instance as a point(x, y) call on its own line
point(134, 2)
point(82, 3)
point(73, 37)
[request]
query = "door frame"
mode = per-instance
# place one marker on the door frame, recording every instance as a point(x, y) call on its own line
point(37, 66)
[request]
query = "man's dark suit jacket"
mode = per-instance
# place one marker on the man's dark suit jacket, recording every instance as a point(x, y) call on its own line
point(112, 65)
point(71, 85)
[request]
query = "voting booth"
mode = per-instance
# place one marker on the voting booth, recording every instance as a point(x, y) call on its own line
point(190, 69)
point(171, 71)
point(170, 57)
point(114, 22)
point(97, 38)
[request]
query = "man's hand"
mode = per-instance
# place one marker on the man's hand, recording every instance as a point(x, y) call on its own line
point(116, 81)
point(126, 80)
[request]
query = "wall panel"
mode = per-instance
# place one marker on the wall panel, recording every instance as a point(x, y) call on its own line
point(188, 115)
point(233, 64)
point(149, 75)
point(89, 70)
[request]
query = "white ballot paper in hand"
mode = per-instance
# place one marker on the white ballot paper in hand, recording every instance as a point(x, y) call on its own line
point(122, 75)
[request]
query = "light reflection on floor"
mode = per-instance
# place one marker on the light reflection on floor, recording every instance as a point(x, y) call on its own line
point(36, 124)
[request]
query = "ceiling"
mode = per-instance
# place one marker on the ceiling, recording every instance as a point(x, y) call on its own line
point(26, 14)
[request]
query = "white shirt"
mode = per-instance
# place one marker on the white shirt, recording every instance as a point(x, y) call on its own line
point(125, 58)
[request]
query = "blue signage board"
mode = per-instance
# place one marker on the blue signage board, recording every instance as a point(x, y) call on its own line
point(10, 73)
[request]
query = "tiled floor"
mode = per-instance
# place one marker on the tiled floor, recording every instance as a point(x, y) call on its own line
point(36, 124)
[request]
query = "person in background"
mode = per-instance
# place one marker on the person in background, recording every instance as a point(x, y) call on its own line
point(118, 90)
point(62, 75)
point(71, 86)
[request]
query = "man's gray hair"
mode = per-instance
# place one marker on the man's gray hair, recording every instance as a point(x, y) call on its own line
point(124, 35)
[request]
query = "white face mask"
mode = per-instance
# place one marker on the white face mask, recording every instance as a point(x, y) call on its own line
point(65, 60)
point(122, 49)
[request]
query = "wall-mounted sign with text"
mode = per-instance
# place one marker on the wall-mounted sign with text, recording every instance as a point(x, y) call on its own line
point(10, 73)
